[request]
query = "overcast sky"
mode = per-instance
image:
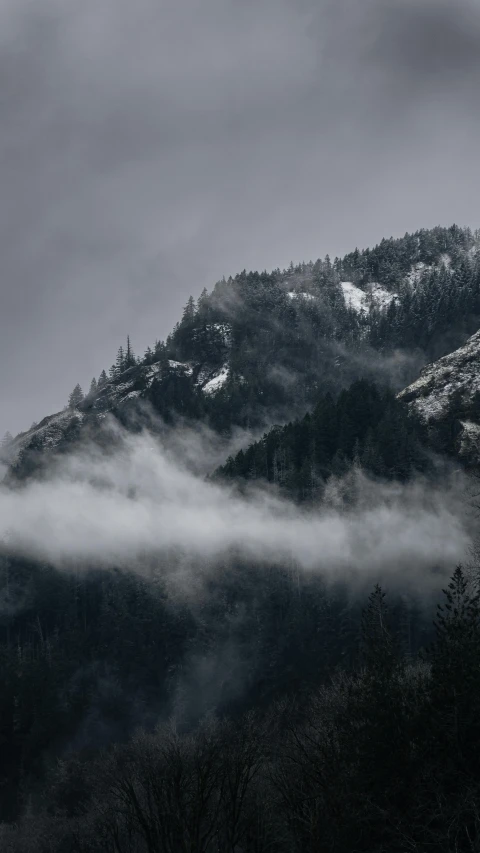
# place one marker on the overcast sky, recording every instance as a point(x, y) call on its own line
point(148, 148)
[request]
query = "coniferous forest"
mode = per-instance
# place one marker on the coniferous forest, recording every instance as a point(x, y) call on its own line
point(256, 697)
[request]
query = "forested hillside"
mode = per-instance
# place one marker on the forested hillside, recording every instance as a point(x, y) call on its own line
point(365, 426)
point(262, 348)
point(382, 757)
point(210, 663)
point(272, 343)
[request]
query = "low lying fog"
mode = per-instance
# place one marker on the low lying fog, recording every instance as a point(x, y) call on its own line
point(145, 499)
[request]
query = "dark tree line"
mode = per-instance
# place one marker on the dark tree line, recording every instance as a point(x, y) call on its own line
point(364, 425)
point(87, 656)
point(383, 757)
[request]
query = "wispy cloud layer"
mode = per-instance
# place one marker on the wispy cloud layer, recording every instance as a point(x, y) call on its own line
point(141, 501)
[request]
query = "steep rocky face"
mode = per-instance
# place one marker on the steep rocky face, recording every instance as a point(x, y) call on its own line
point(447, 397)
point(455, 374)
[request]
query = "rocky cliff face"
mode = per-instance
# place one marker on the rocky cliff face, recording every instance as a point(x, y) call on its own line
point(447, 397)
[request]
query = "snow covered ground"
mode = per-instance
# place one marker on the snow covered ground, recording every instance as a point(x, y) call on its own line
point(354, 297)
point(360, 300)
point(380, 297)
point(419, 269)
point(180, 365)
point(297, 294)
point(216, 382)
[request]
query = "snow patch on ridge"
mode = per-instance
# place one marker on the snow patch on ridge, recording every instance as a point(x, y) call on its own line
point(152, 372)
point(361, 300)
point(297, 294)
point(216, 382)
point(354, 297)
point(380, 297)
point(420, 268)
point(132, 395)
point(180, 365)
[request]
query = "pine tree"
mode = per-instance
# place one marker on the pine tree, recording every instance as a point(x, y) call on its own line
point(377, 643)
point(76, 397)
point(7, 438)
point(161, 353)
point(457, 628)
point(93, 387)
point(202, 305)
point(455, 667)
point(189, 311)
point(129, 359)
point(120, 362)
point(102, 379)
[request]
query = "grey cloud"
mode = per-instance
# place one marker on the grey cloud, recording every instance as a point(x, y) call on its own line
point(149, 148)
point(141, 502)
point(424, 38)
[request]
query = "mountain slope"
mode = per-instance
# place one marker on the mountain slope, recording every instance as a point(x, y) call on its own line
point(262, 347)
point(386, 435)
point(446, 396)
point(364, 425)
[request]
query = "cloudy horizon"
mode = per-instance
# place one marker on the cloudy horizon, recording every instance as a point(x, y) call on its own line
point(150, 149)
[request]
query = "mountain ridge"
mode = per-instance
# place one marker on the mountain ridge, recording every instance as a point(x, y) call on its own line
point(261, 348)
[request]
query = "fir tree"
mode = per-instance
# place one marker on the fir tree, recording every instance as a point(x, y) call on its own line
point(120, 362)
point(102, 379)
point(377, 643)
point(455, 667)
point(189, 311)
point(129, 359)
point(76, 397)
point(161, 352)
point(93, 387)
point(202, 305)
